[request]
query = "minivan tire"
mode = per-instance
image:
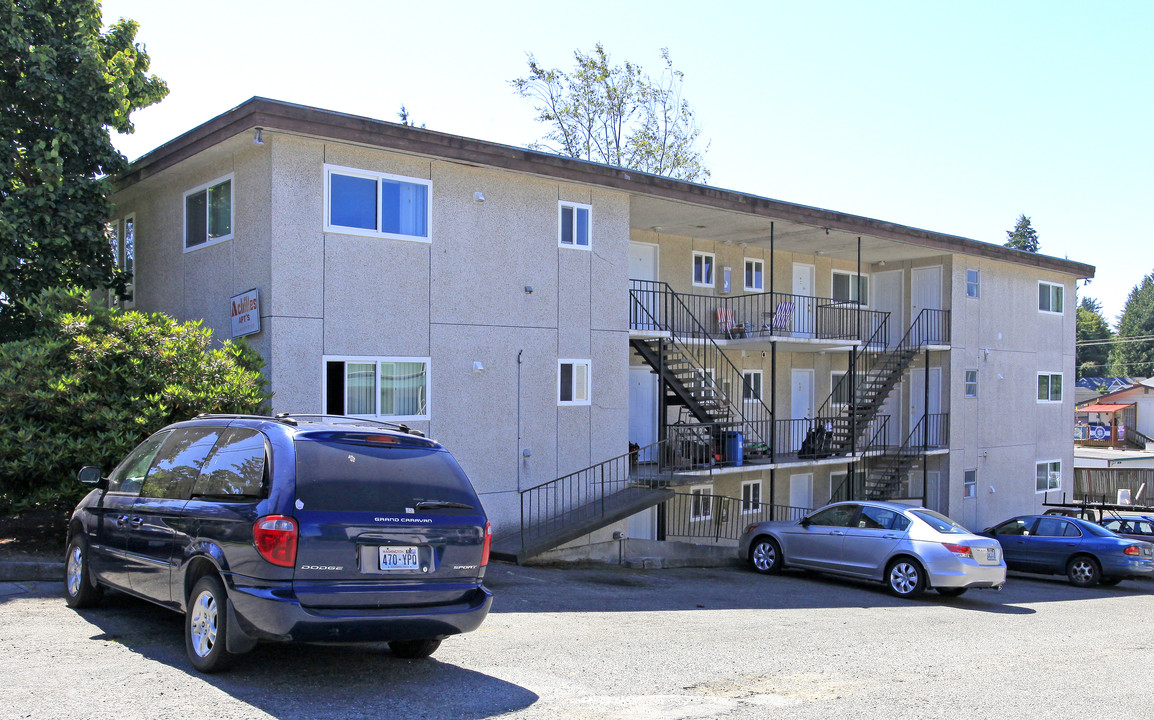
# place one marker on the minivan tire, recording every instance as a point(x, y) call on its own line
point(79, 592)
point(206, 626)
point(414, 649)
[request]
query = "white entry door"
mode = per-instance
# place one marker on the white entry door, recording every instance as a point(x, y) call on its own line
point(643, 410)
point(801, 406)
point(926, 294)
point(803, 282)
point(645, 306)
point(919, 408)
point(887, 297)
point(801, 491)
point(643, 525)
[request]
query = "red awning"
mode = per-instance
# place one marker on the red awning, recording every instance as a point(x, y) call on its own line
point(1103, 408)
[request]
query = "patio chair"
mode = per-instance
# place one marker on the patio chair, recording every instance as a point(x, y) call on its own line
point(780, 320)
point(725, 323)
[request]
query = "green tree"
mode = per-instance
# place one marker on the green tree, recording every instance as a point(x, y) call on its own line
point(1091, 360)
point(617, 115)
point(89, 383)
point(1023, 236)
point(1133, 355)
point(63, 84)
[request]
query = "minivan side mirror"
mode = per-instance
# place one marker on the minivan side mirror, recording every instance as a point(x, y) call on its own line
point(90, 475)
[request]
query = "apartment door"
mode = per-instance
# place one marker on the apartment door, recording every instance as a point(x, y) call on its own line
point(643, 410)
point(803, 284)
point(919, 408)
point(801, 491)
point(926, 294)
point(801, 407)
point(645, 304)
point(643, 525)
point(887, 297)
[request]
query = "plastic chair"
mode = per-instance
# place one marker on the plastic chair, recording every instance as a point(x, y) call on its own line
point(778, 322)
point(725, 322)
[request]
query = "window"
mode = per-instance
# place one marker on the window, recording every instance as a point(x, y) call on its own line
point(360, 202)
point(178, 463)
point(703, 269)
point(129, 261)
point(1049, 476)
point(385, 387)
point(1050, 297)
point(971, 384)
point(750, 497)
point(702, 497)
point(576, 225)
point(751, 385)
point(1049, 387)
point(846, 290)
point(208, 214)
point(129, 474)
point(754, 275)
point(973, 284)
point(236, 467)
point(970, 484)
point(573, 382)
point(836, 516)
point(839, 382)
point(1056, 527)
point(875, 518)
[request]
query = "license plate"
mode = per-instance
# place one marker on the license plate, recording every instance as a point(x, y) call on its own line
point(991, 554)
point(398, 557)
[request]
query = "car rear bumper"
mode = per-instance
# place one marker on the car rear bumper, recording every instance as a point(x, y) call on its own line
point(272, 612)
point(1137, 568)
point(968, 576)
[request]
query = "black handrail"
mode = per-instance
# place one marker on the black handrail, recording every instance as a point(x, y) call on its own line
point(704, 516)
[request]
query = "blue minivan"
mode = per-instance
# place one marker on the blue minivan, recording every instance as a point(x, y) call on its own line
point(303, 528)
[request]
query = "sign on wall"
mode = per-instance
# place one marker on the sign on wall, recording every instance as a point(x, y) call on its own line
point(246, 313)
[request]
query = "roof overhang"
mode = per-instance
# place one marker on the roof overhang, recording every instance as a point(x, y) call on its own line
point(657, 204)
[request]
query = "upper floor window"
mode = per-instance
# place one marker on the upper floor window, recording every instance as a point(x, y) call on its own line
point(361, 202)
point(971, 384)
point(973, 283)
point(573, 382)
point(703, 269)
point(1049, 387)
point(846, 290)
point(575, 229)
point(1050, 297)
point(384, 387)
point(754, 275)
point(208, 214)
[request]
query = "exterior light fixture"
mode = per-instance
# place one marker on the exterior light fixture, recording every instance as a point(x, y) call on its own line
point(257, 138)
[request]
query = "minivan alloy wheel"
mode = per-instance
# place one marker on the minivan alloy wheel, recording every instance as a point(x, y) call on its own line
point(203, 623)
point(75, 570)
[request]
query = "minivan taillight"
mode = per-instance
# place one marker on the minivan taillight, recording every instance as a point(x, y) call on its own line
point(275, 537)
point(488, 544)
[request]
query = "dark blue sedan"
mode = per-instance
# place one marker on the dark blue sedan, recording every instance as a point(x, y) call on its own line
point(1085, 552)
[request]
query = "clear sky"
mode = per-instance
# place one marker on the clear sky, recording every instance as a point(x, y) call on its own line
point(954, 117)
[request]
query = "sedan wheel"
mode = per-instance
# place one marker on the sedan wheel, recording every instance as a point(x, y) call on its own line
point(1083, 571)
point(905, 578)
point(766, 556)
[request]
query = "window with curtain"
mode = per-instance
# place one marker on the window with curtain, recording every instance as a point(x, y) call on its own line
point(362, 202)
point(573, 381)
point(381, 387)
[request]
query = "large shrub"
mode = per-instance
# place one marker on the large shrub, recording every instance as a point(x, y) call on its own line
point(91, 382)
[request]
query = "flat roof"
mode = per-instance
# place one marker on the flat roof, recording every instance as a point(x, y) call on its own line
point(645, 188)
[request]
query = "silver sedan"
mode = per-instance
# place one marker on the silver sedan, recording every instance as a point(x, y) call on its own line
point(907, 548)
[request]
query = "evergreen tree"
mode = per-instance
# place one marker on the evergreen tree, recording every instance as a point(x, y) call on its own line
point(1136, 358)
point(1023, 236)
point(1091, 360)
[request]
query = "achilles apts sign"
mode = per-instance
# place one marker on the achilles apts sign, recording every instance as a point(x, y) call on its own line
point(246, 313)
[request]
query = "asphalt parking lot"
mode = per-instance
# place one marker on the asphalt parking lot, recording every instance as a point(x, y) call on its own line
point(612, 643)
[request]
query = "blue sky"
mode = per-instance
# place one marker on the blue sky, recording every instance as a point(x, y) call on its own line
point(946, 116)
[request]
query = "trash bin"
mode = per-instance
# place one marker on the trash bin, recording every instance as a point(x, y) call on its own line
point(733, 447)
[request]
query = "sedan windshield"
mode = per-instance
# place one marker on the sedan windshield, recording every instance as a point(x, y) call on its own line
point(939, 522)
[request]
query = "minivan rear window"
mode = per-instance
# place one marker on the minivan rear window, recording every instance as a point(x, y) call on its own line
point(358, 476)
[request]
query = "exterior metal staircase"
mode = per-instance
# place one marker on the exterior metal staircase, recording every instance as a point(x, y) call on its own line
point(888, 471)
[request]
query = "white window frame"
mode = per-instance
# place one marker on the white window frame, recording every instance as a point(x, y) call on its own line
point(834, 377)
point(969, 484)
point(746, 375)
point(129, 219)
point(862, 277)
point(577, 208)
point(329, 227)
point(974, 287)
point(966, 383)
point(696, 492)
point(1049, 399)
point(209, 242)
point(576, 362)
point(377, 361)
point(759, 286)
point(1062, 297)
point(702, 255)
point(748, 504)
point(1050, 466)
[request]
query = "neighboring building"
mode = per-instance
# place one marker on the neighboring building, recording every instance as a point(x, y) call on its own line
point(1090, 388)
point(538, 314)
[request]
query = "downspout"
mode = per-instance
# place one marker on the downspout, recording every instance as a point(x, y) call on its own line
point(519, 419)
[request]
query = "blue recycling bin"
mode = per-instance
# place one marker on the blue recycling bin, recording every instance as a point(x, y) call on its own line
point(733, 447)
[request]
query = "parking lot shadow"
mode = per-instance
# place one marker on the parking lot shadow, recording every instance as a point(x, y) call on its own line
point(291, 681)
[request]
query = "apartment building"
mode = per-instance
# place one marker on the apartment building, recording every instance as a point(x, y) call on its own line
point(605, 350)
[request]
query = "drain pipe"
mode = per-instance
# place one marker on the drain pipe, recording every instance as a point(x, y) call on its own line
point(519, 419)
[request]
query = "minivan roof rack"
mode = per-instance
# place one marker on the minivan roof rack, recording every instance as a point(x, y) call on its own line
point(242, 416)
point(348, 420)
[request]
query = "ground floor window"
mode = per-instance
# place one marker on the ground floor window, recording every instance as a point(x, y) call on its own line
point(702, 502)
point(573, 382)
point(1049, 476)
point(383, 387)
point(970, 484)
point(751, 496)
